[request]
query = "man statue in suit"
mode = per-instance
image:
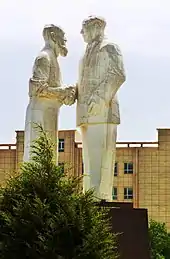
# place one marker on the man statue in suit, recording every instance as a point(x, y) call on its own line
point(101, 74)
point(46, 91)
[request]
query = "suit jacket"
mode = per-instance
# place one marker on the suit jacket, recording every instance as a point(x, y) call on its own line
point(101, 73)
point(46, 72)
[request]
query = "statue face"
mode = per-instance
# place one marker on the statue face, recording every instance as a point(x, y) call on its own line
point(59, 42)
point(62, 46)
point(91, 32)
point(85, 34)
point(54, 36)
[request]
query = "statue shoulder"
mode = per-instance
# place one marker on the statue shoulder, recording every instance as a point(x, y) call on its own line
point(43, 58)
point(111, 48)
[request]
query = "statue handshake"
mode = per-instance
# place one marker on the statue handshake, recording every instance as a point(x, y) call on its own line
point(65, 95)
point(70, 95)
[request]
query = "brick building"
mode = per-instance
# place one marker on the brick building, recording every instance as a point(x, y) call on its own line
point(142, 169)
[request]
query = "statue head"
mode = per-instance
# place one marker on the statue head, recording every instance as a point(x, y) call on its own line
point(93, 29)
point(54, 37)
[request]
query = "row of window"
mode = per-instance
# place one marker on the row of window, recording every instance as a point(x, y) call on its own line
point(128, 168)
point(128, 193)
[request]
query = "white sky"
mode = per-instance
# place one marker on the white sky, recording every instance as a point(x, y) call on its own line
point(141, 28)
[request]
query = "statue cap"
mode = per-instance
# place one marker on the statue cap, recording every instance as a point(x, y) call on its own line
point(94, 19)
point(53, 27)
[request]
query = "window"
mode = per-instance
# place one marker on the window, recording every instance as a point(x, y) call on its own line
point(61, 145)
point(128, 168)
point(128, 193)
point(116, 169)
point(114, 193)
point(82, 168)
point(61, 165)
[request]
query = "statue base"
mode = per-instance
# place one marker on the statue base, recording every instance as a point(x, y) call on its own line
point(132, 224)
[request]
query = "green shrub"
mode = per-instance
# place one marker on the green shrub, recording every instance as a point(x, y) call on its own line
point(43, 214)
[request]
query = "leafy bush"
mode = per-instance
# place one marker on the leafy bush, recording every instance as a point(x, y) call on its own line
point(43, 214)
point(159, 240)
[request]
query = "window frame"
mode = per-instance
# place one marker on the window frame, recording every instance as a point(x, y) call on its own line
point(116, 167)
point(128, 170)
point(61, 141)
point(128, 196)
point(82, 171)
point(114, 194)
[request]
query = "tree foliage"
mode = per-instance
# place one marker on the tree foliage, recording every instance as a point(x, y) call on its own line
point(159, 240)
point(43, 214)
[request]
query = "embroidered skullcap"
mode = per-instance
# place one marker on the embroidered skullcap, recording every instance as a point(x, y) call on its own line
point(95, 19)
point(52, 28)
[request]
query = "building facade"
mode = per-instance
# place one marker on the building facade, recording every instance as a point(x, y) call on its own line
point(141, 172)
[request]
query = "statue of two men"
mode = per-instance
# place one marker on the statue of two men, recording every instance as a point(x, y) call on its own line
point(101, 73)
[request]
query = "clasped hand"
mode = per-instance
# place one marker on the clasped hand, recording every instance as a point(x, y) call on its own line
point(70, 95)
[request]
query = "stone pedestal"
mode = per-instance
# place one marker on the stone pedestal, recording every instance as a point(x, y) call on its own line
point(132, 224)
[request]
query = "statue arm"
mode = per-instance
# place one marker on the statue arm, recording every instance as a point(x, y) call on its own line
point(39, 81)
point(66, 95)
point(110, 72)
point(116, 70)
point(39, 85)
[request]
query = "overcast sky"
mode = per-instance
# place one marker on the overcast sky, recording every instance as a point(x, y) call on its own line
point(140, 28)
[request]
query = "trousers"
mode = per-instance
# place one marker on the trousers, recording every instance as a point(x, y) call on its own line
point(44, 112)
point(99, 150)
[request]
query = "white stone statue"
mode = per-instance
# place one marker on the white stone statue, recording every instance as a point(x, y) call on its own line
point(46, 91)
point(100, 76)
